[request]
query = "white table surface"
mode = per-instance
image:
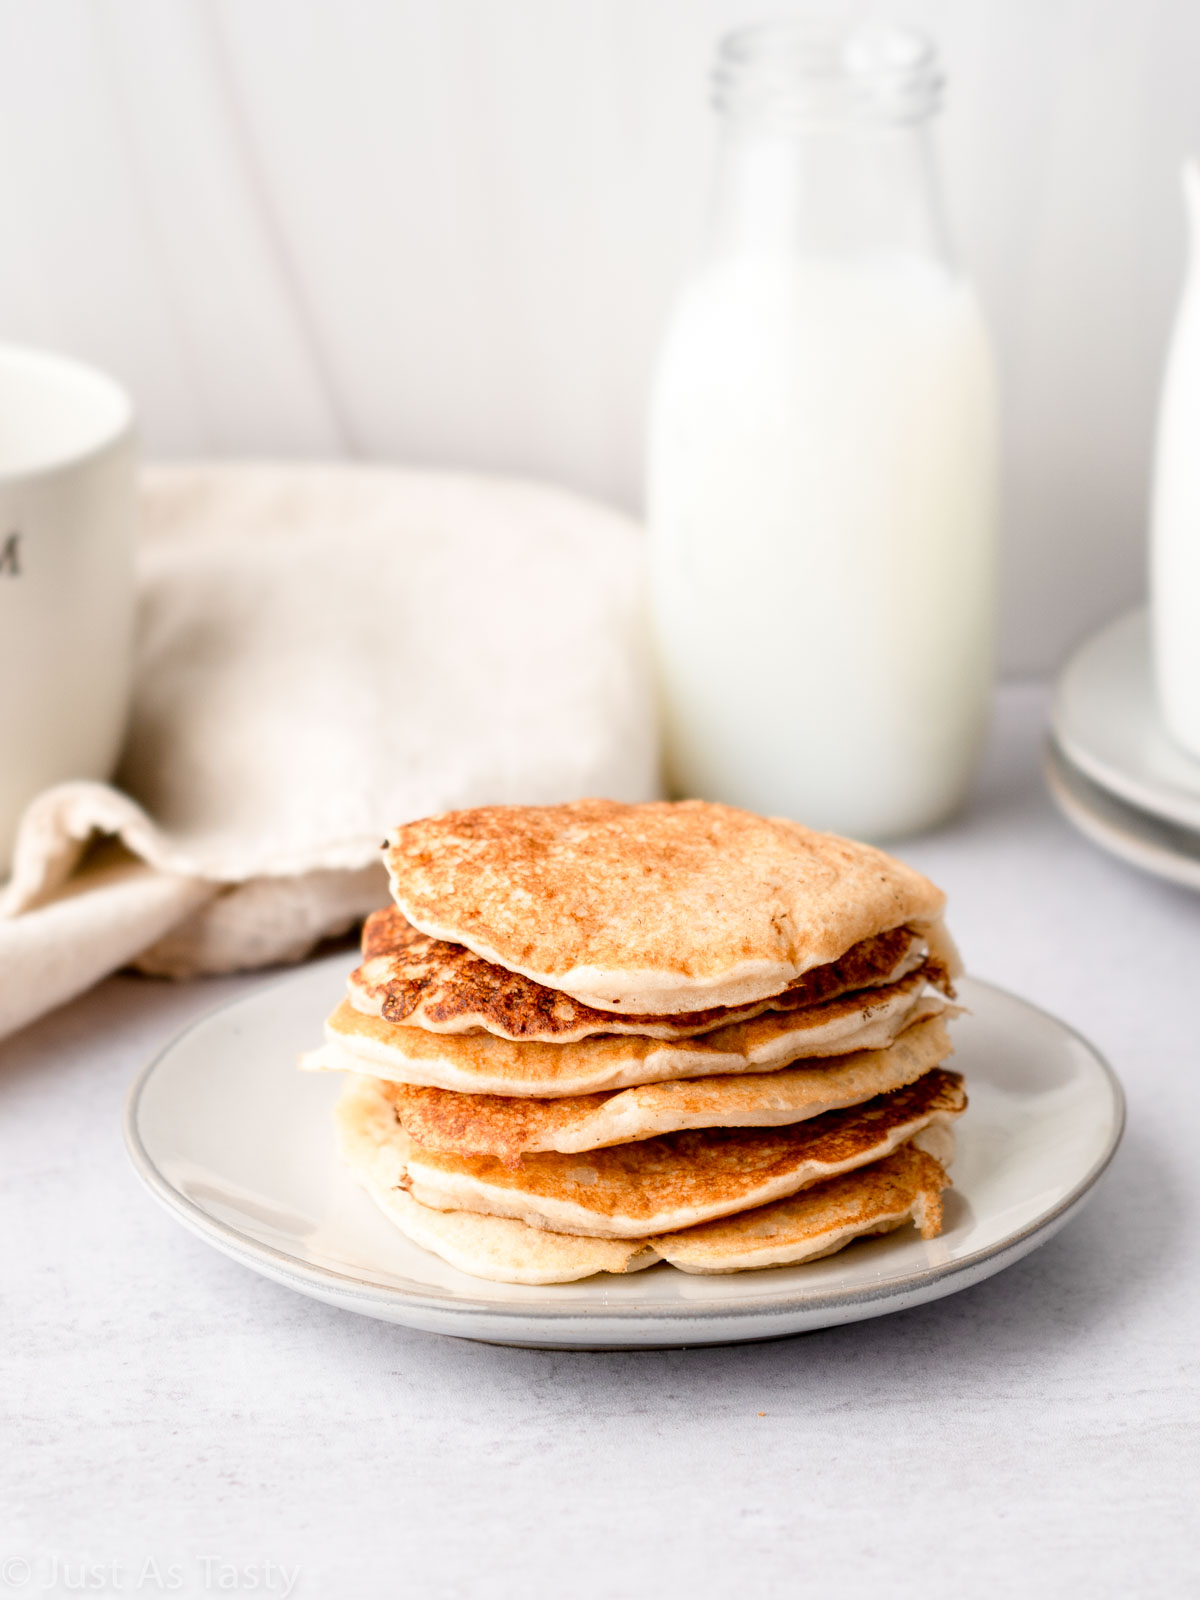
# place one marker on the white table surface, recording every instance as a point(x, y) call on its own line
point(183, 1426)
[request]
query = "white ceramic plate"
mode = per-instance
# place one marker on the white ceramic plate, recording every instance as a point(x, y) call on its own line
point(238, 1144)
point(1106, 722)
point(1163, 848)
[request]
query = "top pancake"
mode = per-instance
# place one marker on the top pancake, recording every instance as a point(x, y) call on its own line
point(655, 909)
point(406, 977)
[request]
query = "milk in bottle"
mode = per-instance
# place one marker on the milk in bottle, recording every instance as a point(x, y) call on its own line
point(821, 461)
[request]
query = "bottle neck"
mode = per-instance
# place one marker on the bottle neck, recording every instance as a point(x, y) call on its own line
point(846, 192)
point(825, 145)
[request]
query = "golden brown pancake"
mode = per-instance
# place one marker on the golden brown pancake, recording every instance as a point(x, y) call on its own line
point(510, 1126)
point(650, 909)
point(410, 978)
point(655, 1185)
point(481, 1063)
point(905, 1186)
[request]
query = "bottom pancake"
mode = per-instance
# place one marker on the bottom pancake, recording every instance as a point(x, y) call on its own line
point(904, 1187)
point(901, 1188)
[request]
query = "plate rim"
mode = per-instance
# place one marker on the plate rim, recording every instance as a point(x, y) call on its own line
point(257, 1255)
point(1171, 803)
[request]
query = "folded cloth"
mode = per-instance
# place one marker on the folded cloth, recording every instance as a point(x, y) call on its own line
point(323, 652)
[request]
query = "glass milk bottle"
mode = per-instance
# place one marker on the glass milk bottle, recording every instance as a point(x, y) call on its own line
point(821, 475)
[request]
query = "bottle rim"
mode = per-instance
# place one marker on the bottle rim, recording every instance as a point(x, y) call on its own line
point(813, 72)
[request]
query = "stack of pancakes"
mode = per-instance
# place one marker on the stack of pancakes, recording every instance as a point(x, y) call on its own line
point(595, 1036)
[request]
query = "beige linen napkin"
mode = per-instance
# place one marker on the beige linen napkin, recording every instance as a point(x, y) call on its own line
point(325, 651)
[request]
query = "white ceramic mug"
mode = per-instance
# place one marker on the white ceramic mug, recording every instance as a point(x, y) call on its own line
point(67, 511)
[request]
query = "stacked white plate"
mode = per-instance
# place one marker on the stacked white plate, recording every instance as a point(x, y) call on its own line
point(1111, 765)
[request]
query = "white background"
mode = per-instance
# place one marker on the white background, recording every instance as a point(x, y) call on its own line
point(447, 231)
